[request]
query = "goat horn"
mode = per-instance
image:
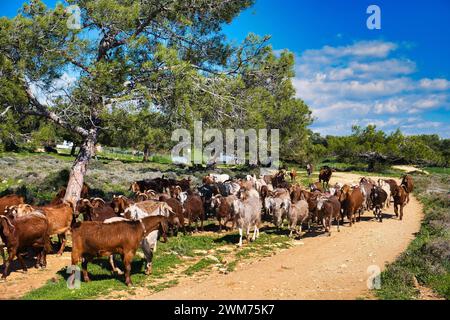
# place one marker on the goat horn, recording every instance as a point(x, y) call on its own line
point(8, 222)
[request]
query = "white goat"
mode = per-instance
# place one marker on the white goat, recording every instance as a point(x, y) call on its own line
point(297, 215)
point(247, 214)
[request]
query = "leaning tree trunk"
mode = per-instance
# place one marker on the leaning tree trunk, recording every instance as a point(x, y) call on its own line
point(79, 168)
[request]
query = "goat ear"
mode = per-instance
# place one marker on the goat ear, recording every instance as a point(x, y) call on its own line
point(6, 224)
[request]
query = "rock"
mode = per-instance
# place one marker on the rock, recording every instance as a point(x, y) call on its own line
point(223, 271)
point(212, 258)
point(200, 252)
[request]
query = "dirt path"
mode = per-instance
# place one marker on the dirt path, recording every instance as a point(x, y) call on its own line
point(19, 283)
point(409, 169)
point(333, 267)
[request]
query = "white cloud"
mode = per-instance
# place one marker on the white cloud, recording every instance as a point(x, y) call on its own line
point(365, 83)
point(435, 84)
point(56, 90)
point(377, 49)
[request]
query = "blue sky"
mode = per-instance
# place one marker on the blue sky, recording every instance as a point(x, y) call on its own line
point(396, 77)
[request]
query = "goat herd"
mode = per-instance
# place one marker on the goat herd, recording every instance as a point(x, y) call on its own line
point(161, 206)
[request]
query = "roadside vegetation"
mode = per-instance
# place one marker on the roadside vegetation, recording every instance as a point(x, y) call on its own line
point(426, 262)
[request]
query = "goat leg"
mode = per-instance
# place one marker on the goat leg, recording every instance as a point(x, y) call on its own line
point(255, 230)
point(113, 266)
point(127, 258)
point(2, 252)
point(22, 262)
point(62, 238)
point(240, 237)
point(148, 246)
point(38, 260)
point(84, 264)
point(43, 261)
point(11, 255)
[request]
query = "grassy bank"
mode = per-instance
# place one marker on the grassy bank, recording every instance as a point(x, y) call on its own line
point(427, 260)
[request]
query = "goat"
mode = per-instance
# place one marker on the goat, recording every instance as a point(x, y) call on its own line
point(385, 186)
point(224, 209)
point(95, 211)
point(351, 201)
point(378, 197)
point(59, 218)
point(10, 200)
point(19, 210)
point(366, 186)
point(408, 182)
point(325, 175)
point(194, 209)
point(177, 208)
point(92, 238)
point(20, 233)
point(298, 213)
point(329, 208)
point(278, 208)
point(247, 214)
point(400, 196)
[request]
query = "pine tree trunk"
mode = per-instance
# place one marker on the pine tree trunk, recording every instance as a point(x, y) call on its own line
point(79, 168)
point(146, 152)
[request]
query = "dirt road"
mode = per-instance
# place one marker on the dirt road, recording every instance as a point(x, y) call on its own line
point(18, 282)
point(335, 267)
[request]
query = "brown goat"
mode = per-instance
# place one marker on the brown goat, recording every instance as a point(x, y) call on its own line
point(59, 220)
point(316, 186)
point(21, 233)
point(92, 239)
point(400, 197)
point(193, 207)
point(94, 210)
point(177, 208)
point(207, 180)
point(296, 193)
point(120, 203)
point(18, 210)
point(328, 209)
point(325, 175)
point(408, 182)
point(224, 209)
point(311, 198)
point(59, 198)
point(10, 200)
point(351, 203)
point(293, 174)
point(185, 184)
